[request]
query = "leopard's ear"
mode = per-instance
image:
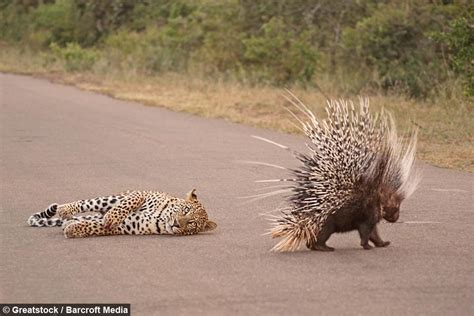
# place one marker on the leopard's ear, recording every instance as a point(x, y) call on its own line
point(210, 225)
point(191, 196)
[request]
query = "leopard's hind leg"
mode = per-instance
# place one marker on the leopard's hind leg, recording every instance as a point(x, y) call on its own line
point(99, 204)
point(114, 216)
point(45, 218)
point(129, 204)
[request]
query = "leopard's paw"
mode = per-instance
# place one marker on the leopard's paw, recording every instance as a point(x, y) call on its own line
point(111, 221)
point(75, 230)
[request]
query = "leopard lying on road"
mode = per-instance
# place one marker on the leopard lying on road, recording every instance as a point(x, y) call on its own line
point(129, 213)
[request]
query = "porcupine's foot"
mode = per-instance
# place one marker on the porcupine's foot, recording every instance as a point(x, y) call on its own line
point(312, 245)
point(318, 246)
point(380, 243)
point(365, 231)
point(376, 239)
point(322, 248)
point(320, 243)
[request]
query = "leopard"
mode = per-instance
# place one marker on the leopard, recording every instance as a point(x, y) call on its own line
point(128, 213)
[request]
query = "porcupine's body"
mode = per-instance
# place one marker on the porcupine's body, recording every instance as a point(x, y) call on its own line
point(356, 173)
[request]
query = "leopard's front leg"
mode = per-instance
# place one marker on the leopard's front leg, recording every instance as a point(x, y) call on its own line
point(77, 229)
point(129, 204)
point(81, 227)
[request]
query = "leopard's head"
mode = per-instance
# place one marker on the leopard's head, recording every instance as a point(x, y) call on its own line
point(196, 220)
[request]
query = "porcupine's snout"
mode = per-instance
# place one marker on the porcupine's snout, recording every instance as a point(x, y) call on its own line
point(390, 203)
point(391, 214)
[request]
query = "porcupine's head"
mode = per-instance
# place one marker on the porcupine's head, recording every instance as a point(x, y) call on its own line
point(399, 179)
point(390, 205)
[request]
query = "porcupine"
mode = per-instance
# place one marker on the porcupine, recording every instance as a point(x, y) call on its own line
point(356, 172)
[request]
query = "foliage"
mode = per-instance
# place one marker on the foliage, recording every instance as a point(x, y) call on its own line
point(389, 49)
point(411, 47)
point(459, 43)
point(153, 50)
point(278, 55)
point(75, 57)
point(55, 23)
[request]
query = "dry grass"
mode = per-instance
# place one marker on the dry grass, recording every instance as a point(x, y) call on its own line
point(446, 130)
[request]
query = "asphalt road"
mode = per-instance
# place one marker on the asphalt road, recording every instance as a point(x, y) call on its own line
point(60, 144)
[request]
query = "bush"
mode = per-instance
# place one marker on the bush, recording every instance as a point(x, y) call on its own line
point(388, 50)
point(458, 41)
point(74, 57)
point(57, 22)
point(278, 55)
point(360, 45)
point(220, 50)
point(13, 22)
point(130, 51)
point(156, 49)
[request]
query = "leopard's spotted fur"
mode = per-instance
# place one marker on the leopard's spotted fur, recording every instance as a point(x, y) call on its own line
point(129, 213)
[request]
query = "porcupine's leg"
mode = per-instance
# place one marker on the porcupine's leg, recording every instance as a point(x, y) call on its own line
point(376, 239)
point(130, 203)
point(320, 243)
point(365, 230)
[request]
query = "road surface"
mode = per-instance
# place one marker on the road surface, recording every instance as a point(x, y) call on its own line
point(60, 144)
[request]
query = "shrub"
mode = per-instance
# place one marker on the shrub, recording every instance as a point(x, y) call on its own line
point(56, 21)
point(389, 50)
point(278, 55)
point(155, 50)
point(74, 57)
point(458, 41)
point(420, 48)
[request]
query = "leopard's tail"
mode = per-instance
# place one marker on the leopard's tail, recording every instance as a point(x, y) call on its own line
point(44, 218)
